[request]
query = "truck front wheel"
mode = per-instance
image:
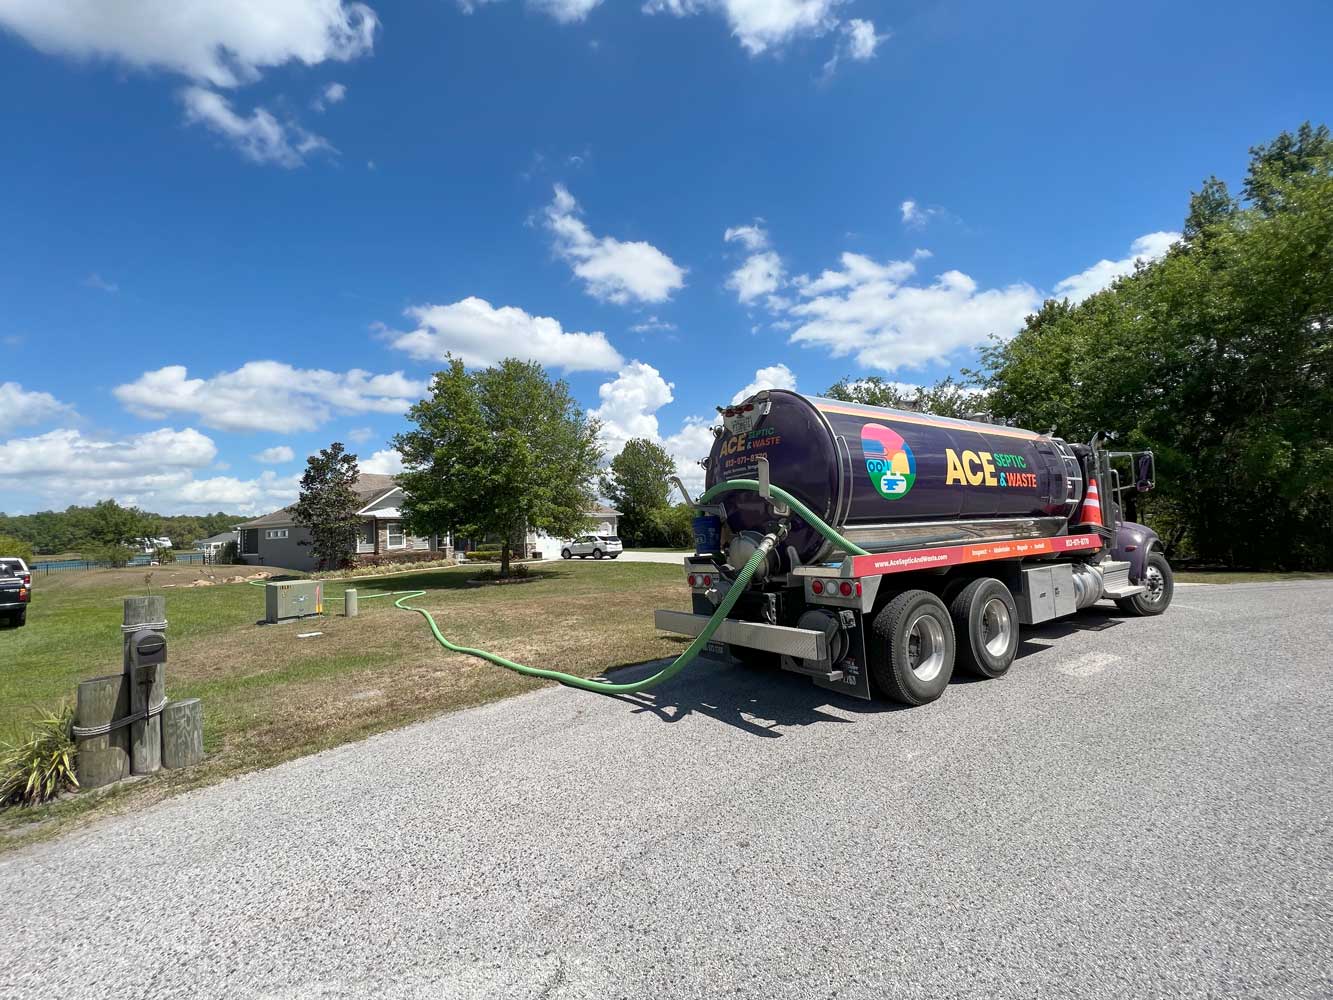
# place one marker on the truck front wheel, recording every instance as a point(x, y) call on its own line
point(985, 620)
point(912, 648)
point(1160, 584)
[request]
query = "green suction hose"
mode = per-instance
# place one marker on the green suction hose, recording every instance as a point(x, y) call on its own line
point(728, 601)
point(701, 640)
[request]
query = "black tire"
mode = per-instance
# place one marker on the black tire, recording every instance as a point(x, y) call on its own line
point(615, 556)
point(21, 618)
point(755, 659)
point(985, 622)
point(1161, 584)
point(597, 553)
point(897, 636)
point(566, 554)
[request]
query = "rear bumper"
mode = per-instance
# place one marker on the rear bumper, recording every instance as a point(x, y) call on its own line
point(799, 643)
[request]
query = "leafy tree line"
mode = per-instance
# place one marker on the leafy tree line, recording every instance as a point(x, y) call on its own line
point(637, 484)
point(107, 525)
point(1218, 357)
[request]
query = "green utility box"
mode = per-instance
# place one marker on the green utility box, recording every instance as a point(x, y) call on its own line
point(294, 599)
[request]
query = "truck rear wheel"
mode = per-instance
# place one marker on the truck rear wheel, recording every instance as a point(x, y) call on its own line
point(985, 621)
point(912, 648)
point(1160, 581)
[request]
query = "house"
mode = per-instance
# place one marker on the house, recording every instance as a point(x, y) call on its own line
point(277, 540)
point(150, 545)
point(602, 520)
point(214, 544)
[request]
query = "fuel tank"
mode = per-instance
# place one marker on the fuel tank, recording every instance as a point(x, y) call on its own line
point(890, 478)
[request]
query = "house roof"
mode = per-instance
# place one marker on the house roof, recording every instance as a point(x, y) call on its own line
point(601, 508)
point(369, 487)
point(221, 536)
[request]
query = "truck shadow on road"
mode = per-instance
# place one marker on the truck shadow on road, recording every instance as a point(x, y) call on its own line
point(757, 701)
point(765, 702)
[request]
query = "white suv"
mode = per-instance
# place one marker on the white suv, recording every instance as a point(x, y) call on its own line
point(596, 546)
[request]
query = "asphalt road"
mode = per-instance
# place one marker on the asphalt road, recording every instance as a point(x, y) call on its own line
point(1141, 809)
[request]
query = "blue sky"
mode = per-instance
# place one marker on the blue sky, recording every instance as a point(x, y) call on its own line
point(233, 233)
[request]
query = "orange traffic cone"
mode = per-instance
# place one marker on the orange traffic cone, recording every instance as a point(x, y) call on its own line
point(1091, 511)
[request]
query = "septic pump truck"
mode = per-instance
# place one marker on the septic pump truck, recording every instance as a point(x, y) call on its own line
point(898, 545)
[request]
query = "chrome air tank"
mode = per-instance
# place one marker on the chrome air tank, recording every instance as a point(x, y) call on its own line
point(890, 479)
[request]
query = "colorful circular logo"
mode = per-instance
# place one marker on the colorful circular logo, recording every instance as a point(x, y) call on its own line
point(889, 460)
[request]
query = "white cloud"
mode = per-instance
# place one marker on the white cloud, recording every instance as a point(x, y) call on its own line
point(917, 216)
point(564, 11)
point(651, 325)
point(861, 39)
point(611, 270)
point(267, 493)
point(276, 455)
point(1078, 287)
point(95, 280)
point(223, 44)
point(859, 42)
point(22, 407)
point(331, 94)
point(629, 410)
point(761, 274)
point(759, 25)
point(752, 237)
point(629, 405)
point(154, 470)
point(772, 377)
point(385, 463)
point(260, 137)
point(268, 395)
point(480, 334)
point(360, 434)
point(689, 446)
point(866, 309)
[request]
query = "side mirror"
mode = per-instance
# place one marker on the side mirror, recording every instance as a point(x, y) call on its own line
point(1145, 476)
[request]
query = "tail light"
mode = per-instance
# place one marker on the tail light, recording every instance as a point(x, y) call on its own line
point(817, 586)
point(708, 581)
point(23, 594)
point(692, 580)
point(845, 589)
point(27, 579)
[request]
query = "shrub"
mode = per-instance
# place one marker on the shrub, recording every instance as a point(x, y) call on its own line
point(164, 556)
point(41, 767)
point(228, 555)
point(112, 555)
point(398, 558)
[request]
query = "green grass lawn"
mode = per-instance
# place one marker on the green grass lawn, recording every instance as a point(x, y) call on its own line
point(269, 696)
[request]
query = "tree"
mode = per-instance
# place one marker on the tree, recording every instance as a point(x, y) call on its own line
point(498, 452)
point(946, 398)
point(1219, 357)
point(15, 548)
point(327, 505)
point(636, 484)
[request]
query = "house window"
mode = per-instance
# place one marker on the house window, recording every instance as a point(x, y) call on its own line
point(275, 533)
point(396, 538)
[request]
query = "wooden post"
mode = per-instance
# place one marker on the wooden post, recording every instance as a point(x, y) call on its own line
point(349, 602)
point(146, 734)
point(182, 733)
point(106, 758)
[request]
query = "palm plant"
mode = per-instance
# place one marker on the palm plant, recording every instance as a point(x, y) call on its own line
point(42, 766)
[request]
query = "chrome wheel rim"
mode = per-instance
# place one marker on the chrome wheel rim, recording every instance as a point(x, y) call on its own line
point(1156, 584)
point(997, 628)
point(925, 647)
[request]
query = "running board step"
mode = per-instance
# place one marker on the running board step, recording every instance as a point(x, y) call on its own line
point(1115, 581)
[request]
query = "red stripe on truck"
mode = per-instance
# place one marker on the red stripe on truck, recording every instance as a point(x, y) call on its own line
point(878, 563)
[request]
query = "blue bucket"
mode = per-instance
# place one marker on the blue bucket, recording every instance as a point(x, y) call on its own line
point(707, 534)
